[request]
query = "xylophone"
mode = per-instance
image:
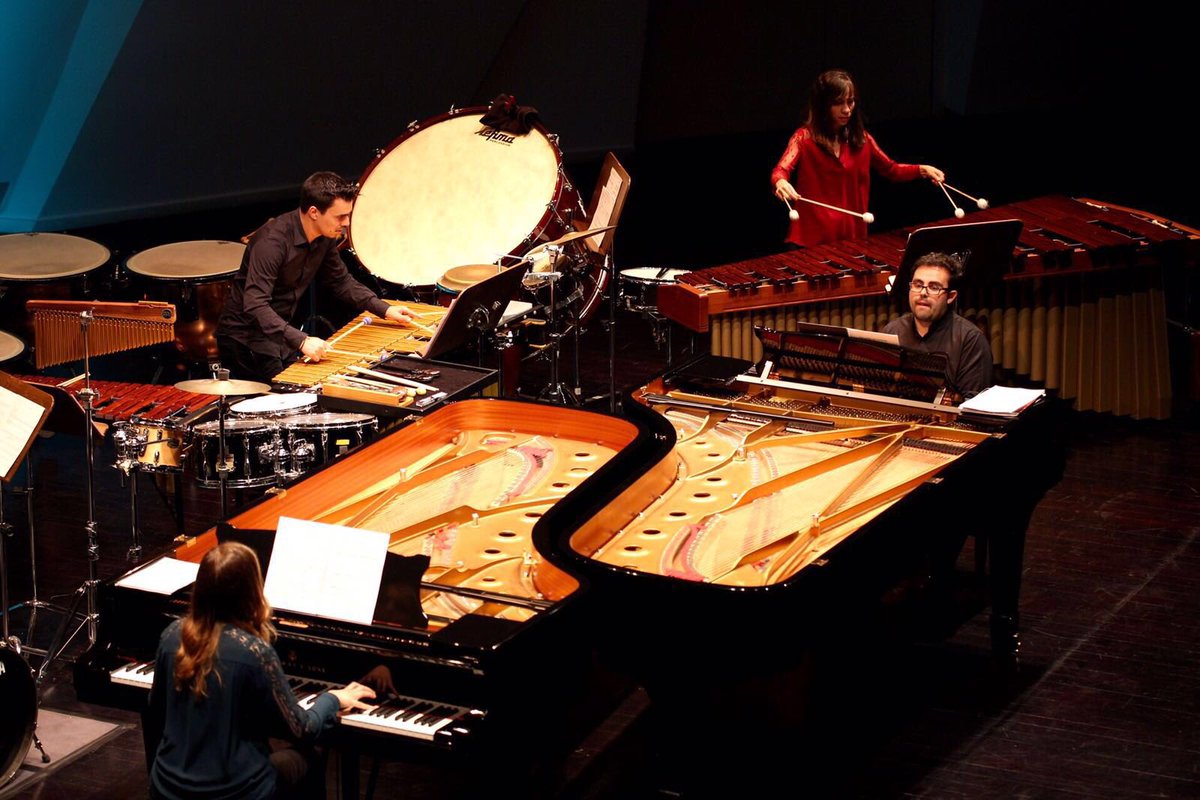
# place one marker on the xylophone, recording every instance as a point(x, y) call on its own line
point(361, 345)
point(1081, 310)
point(117, 401)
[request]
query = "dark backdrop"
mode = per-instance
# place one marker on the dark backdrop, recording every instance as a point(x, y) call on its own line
point(148, 121)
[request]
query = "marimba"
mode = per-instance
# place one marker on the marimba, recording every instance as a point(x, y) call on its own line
point(1080, 311)
point(363, 344)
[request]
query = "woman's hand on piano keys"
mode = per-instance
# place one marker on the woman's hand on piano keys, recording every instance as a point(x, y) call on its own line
point(350, 697)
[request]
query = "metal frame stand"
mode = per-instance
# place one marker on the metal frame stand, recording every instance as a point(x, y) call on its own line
point(86, 593)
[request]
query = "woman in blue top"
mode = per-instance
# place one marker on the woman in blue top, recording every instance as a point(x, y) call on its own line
point(220, 695)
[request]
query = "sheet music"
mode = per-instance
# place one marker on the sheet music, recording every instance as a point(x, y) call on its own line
point(164, 576)
point(605, 205)
point(1002, 400)
point(20, 415)
point(326, 570)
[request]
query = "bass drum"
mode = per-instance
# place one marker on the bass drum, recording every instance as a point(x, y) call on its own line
point(451, 192)
point(18, 698)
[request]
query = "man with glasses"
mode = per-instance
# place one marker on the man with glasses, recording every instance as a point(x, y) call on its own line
point(933, 327)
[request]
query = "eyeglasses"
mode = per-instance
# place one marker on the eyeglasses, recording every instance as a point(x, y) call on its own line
point(932, 289)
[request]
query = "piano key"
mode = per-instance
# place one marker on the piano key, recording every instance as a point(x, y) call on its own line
point(397, 714)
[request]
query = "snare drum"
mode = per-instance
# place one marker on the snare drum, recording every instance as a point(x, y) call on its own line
point(156, 446)
point(311, 440)
point(639, 286)
point(273, 406)
point(454, 191)
point(196, 277)
point(45, 266)
point(251, 442)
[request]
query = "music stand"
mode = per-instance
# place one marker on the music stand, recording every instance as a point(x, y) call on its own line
point(24, 411)
point(476, 310)
point(604, 211)
point(985, 248)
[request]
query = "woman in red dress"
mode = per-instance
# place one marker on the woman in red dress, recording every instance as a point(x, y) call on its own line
point(832, 156)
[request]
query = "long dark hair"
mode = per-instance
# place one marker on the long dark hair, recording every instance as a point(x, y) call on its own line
point(228, 591)
point(826, 91)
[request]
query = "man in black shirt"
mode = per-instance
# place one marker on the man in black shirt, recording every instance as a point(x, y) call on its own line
point(933, 326)
point(254, 334)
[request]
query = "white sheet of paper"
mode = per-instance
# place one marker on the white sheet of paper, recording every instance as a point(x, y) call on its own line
point(605, 206)
point(163, 576)
point(326, 570)
point(1002, 400)
point(21, 416)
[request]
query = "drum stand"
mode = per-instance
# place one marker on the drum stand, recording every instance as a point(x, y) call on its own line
point(610, 325)
point(127, 462)
point(556, 390)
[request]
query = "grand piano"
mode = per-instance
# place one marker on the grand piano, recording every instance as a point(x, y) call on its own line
point(799, 493)
point(736, 516)
point(473, 627)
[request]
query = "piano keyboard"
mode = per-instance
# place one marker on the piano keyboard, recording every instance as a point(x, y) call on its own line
point(397, 714)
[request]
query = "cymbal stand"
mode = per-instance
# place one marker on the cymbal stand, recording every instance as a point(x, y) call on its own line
point(87, 591)
point(129, 444)
point(224, 460)
point(556, 390)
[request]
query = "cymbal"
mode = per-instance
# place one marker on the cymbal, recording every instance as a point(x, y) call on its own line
point(574, 235)
point(225, 388)
point(10, 346)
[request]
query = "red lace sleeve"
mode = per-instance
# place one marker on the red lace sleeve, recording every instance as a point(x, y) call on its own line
point(787, 163)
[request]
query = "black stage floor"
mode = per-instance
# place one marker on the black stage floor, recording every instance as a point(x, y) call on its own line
point(1104, 702)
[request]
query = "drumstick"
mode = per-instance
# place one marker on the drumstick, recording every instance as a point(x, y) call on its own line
point(793, 214)
point(365, 321)
point(420, 387)
point(958, 212)
point(386, 387)
point(979, 201)
point(866, 216)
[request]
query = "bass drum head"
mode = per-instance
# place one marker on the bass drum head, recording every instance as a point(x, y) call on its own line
point(18, 698)
point(453, 191)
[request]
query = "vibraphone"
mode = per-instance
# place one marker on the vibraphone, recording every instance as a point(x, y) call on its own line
point(1081, 310)
point(358, 346)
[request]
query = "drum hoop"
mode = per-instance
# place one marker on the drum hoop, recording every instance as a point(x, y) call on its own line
point(304, 400)
point(225, 273)
point(350, 420)
point(242, 424)
point(77, 271)
point(627, 275)
point(15, 668)
point(556, 196)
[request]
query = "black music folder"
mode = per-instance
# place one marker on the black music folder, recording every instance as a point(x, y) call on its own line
point(477, 309)
point(986, 249)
